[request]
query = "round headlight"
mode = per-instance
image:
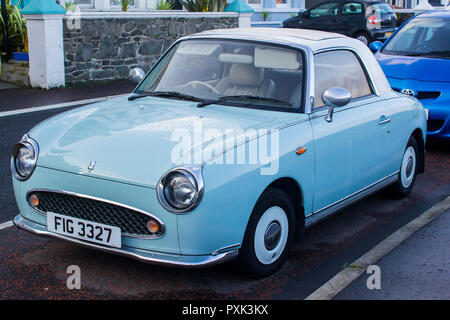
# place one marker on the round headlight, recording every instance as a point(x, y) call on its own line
point(24, 158)
point(179, 191)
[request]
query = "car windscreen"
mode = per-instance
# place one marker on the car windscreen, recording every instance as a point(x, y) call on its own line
point(258, 74)
point(428, 37)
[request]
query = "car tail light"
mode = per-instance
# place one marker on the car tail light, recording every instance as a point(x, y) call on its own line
point(373, 20)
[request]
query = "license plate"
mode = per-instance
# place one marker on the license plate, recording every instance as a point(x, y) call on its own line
point(84, 230)
point(427, 113)
point(388, 34)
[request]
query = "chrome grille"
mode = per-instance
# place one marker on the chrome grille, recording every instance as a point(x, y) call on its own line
point(131, 222)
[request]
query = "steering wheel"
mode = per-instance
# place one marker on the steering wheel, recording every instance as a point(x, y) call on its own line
point(198, 85)
point(423, 48)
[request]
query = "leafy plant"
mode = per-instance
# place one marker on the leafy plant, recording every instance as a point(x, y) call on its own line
point(164, 5)
point(16, 26)
point(265, 14)
point(70, 5)
point(204, 5)
point(124, 4)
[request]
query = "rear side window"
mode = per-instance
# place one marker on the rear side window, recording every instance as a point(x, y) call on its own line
point(352, 8)
point(340, 68)
point(326, 9)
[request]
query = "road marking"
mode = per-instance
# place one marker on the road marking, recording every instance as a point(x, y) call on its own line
point(340, 281)
point(6, 224)
point(58, 105)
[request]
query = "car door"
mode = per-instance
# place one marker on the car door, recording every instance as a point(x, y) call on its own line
point(351, 18)
point(352, 149)
point(321, 17)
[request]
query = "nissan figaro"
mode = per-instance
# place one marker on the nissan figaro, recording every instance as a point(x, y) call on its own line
point(231, 145)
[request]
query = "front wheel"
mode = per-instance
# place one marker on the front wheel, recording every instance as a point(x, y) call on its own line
point(408, 171)
point(269, 235)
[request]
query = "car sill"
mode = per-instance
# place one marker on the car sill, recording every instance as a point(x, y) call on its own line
point(339, 205)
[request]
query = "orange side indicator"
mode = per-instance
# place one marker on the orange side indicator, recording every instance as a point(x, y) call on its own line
point(300, 150)
point(33, 200)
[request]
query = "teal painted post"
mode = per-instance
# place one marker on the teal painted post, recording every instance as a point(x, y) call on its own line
point(42, 7)
point(239, 6)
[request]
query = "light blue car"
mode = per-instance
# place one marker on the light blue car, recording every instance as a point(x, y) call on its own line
point(234, 143)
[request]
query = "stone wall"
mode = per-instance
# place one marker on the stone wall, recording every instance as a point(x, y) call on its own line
point(107, 47)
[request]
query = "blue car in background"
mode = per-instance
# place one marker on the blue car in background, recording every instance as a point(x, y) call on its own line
point(416, 61)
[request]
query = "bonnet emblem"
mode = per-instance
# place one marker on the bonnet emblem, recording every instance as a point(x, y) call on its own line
point(91, 166)
point(409, 92)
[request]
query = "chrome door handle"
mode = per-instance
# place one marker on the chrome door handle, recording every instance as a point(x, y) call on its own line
point(386, 120)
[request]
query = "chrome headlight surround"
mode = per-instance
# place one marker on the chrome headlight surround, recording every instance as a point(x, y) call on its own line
point(33, 148)
point(194, 175)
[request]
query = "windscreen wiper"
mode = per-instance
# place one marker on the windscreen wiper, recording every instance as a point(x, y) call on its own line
point(242, 97)
point(168, 94)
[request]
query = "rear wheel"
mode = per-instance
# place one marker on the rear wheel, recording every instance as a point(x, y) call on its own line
point(364, 37)
point(408, 171)
point(269, 235)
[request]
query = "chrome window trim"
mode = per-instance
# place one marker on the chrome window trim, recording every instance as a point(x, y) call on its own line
point(27, 142)
point(309, 55)
point(369, 76)
point(131, 235)
point(196, 172)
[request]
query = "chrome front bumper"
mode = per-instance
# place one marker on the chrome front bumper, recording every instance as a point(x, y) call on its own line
point(174, 260)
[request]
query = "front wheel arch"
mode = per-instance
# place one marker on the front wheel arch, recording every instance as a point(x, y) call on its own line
point(294, 192)
point(418, 135)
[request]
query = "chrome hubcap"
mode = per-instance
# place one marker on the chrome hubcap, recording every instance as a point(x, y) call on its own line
point(272, 236)
point(408, 168)
point(363, 39)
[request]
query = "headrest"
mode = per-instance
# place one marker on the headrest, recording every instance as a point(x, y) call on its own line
point(246, 75)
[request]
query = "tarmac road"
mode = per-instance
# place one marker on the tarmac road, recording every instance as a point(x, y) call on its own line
point(35, 268)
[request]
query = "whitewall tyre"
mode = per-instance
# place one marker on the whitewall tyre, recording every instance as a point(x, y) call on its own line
point(408, 171)
point(269, 235)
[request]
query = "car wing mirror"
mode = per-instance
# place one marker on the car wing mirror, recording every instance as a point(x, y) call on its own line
point(375, 46)
point(136, 75)
point(335, 97)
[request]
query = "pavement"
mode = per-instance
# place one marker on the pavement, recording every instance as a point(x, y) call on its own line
point(419, 268)
point(35, 268)
point(13, 97)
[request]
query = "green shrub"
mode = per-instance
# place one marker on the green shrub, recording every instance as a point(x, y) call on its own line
point(17, 29)
point(124, 4)
point(164, 5)
point(204, 5)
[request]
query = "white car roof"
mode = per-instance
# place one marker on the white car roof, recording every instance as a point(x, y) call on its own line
point(314, 39)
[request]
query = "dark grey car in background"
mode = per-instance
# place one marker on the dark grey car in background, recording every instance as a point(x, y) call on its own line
point(365, 20)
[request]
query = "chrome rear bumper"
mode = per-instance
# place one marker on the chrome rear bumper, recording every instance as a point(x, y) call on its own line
point(174, 260)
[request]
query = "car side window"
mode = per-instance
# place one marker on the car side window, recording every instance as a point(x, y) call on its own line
point(326, 9)
point(339, 68)
point(352, 8)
